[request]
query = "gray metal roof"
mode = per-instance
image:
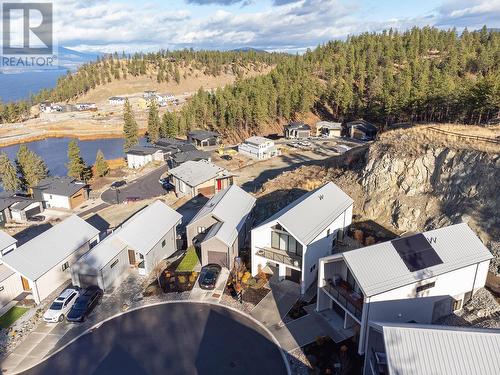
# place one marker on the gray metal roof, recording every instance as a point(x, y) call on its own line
point(195, 173)
point(201, 134)
point(66, 186)
point(414, 349)
point(143, 230)
point(6, 240)
point(22, 204)
point(329, 125)
point(256, 140)
point(379, 268)
point(42, 253)
point(230, 207)
point(312, 213)
point(102, 254)
point(298, 126)
point(5, 272)
point(142, 150)
point(190, 155)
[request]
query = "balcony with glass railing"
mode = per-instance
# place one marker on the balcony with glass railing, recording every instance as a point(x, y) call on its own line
point(280, 256)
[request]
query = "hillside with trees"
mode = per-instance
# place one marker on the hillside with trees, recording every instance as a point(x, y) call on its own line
point(419, 75)
point(163, 66)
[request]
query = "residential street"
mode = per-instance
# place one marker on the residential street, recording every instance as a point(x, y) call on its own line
point(178, 338)
point(144, 187)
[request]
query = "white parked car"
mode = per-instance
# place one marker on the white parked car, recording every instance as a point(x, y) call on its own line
point(61, 306)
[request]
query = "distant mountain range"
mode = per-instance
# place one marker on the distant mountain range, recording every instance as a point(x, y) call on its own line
point(248, 49)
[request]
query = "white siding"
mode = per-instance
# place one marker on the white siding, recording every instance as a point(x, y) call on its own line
point(109, 276)
point(157, 253)
point(57, 201)
point(138, 161)
point(10, 288)
point(55, 277)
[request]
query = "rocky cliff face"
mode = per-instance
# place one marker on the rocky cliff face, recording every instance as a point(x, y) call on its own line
point(420, 188)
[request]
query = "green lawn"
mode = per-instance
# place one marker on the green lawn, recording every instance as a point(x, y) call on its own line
point(7, 319)
point(189, 261)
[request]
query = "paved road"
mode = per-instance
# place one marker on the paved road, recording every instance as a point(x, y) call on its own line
point(144, 187)
point(180, 338)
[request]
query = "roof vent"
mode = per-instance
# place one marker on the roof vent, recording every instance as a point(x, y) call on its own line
point(321, 196)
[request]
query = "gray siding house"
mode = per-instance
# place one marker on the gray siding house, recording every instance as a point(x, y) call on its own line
point(221, 227)
point(142, 241)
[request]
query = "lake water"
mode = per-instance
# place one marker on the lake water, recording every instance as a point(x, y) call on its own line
point(55, 151)
point(22, 85)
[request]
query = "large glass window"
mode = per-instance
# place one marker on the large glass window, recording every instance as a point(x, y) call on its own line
point(285, 242)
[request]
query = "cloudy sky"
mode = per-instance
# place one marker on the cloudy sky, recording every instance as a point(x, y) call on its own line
point(273, 25)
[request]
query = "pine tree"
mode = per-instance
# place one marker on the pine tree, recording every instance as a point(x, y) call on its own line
point(130, 128)
point(101, 165)
point(177, 75)
point(30, 166)
point(8, 174)
point(153, 122)
point(169, 125)
point(76, 165)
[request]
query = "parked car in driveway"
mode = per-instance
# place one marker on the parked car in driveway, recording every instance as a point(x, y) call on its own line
point(36, 218)
point(85, 304)
point(117, 184)
point(209, 275)
point(226, 157)
point(61, 306)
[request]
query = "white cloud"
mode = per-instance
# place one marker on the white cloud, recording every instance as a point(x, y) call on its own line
point(287, 25)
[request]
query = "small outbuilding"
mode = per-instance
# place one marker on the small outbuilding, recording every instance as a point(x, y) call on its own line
point(142, 241)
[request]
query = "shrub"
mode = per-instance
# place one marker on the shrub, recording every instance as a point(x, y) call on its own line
point(181, 279)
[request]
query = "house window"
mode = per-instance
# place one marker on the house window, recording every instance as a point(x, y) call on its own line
point(457, 304)
point(312, 268)
point(163, 243)
point(421, 288)
point(201, 230)
point(114, 263)
point(65, 266)
point(2, 288)
point(282, 241)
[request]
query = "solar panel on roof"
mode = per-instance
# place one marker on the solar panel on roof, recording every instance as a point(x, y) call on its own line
point(416, 252)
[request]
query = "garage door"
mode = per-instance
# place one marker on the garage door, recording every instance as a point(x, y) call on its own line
point(207, 191)
point(34, 211)
point(217, 257)
point(88, 280)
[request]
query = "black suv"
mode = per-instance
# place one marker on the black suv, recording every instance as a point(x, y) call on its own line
point(84, 304)
point(209, 275)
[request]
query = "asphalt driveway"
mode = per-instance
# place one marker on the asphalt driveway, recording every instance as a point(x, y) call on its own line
point(144, 187)
point(175, 338)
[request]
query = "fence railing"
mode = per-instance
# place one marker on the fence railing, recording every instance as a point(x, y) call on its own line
point(280, 256)
point(341, 296)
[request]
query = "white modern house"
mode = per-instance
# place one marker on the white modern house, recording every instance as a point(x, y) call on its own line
point(258, 148)
point(139, 156)
point(295, 238)
point(221, 227)
point(43, 263)
point(61, 192)
point(419, 278)
point(415, 349)
point(142, 241)
point(10, 282)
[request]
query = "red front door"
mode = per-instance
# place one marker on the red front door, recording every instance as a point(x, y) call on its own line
point(219, 185)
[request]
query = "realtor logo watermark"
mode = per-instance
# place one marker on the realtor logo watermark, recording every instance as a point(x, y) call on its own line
point(28, 36)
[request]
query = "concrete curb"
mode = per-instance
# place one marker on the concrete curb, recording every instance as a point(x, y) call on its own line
point(97, 325)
